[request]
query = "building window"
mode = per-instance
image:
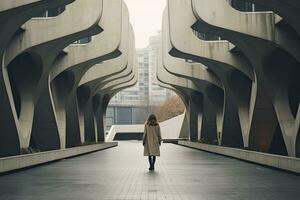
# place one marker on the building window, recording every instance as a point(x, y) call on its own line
point(84, 40)
point(53, 12)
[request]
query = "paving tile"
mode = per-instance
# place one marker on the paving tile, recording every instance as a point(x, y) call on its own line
point(122, 173)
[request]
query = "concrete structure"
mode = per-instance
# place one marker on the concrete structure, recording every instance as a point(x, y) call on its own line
point(170, 129)
point(12, 163)
point(237, 73)
point(43, 101)
point(256, 61)
point(290, 164)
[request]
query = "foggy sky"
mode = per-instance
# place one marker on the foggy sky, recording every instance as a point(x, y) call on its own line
point(146, 17)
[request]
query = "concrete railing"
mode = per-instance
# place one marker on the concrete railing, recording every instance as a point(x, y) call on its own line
point(22, 161)
point(291, 164)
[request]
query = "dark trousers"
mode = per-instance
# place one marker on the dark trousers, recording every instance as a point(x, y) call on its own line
point(151, 161)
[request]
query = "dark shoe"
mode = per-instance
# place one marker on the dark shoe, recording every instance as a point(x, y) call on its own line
point(151, 168)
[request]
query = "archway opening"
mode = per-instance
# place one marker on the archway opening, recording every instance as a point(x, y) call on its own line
point(281, 71)
point(130, 107)
point(24, 73)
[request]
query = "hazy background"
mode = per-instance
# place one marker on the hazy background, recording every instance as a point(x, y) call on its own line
point(146, 17)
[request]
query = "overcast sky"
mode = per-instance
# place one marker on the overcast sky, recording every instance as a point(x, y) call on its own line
point(146, 17)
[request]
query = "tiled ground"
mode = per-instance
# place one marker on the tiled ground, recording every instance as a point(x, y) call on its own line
point(122, 173)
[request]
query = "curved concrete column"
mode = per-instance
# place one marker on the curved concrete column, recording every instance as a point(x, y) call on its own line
point(69, 70)
point(227, 65)
point(101, 104)
point(44, 29)
point(105, 74)
point(31, 93)
point(270, 102)
point(13, 15)
point(192, 96)
point(108, 90)
point(205, 81)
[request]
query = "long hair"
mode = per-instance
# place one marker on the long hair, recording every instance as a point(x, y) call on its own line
point(152, 120)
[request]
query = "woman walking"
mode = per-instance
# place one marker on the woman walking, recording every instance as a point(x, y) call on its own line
point(151, 140)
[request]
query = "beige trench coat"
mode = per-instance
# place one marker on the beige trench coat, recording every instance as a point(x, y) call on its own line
point(151, 140)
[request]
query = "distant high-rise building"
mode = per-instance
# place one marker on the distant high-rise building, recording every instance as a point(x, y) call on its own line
point(146, 92)
point(132, 105)
point(143, 71)
point(139, 94)
point(157, 94)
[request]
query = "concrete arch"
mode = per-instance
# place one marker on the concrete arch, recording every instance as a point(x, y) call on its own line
point(115, 22)
point(103, 77)
point(202, 78)
point(48, 51)
point(43, 94)
point(285, 96)
point(12, 16)
point(37, 29)
point(105, 94)
point(259, 38)
point(194, 108)
point(220, 59)
point(81, 57)
point(24, 74)
point(184, 132)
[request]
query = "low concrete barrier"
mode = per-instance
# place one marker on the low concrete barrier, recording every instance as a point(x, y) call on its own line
point(281, 162)
point(22, 161)
point(170, 129)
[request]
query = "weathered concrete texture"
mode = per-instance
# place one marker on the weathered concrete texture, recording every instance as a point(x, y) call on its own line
point(290, 164)
point(19, 162)
point(289, 10)
point(217, 57)
point(207, 84)
point(12, 18)
point(123, 73)
point(258, 68)
point(30, 87)
point(41, 69)
point(267, 55)
point(71, 68)
point(181, 173)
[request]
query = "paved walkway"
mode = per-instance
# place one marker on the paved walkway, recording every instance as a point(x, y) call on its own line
point(122, 173)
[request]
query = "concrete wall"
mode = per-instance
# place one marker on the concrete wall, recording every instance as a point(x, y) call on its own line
point(170, 129)
point(18, 162)
point(270, 160)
